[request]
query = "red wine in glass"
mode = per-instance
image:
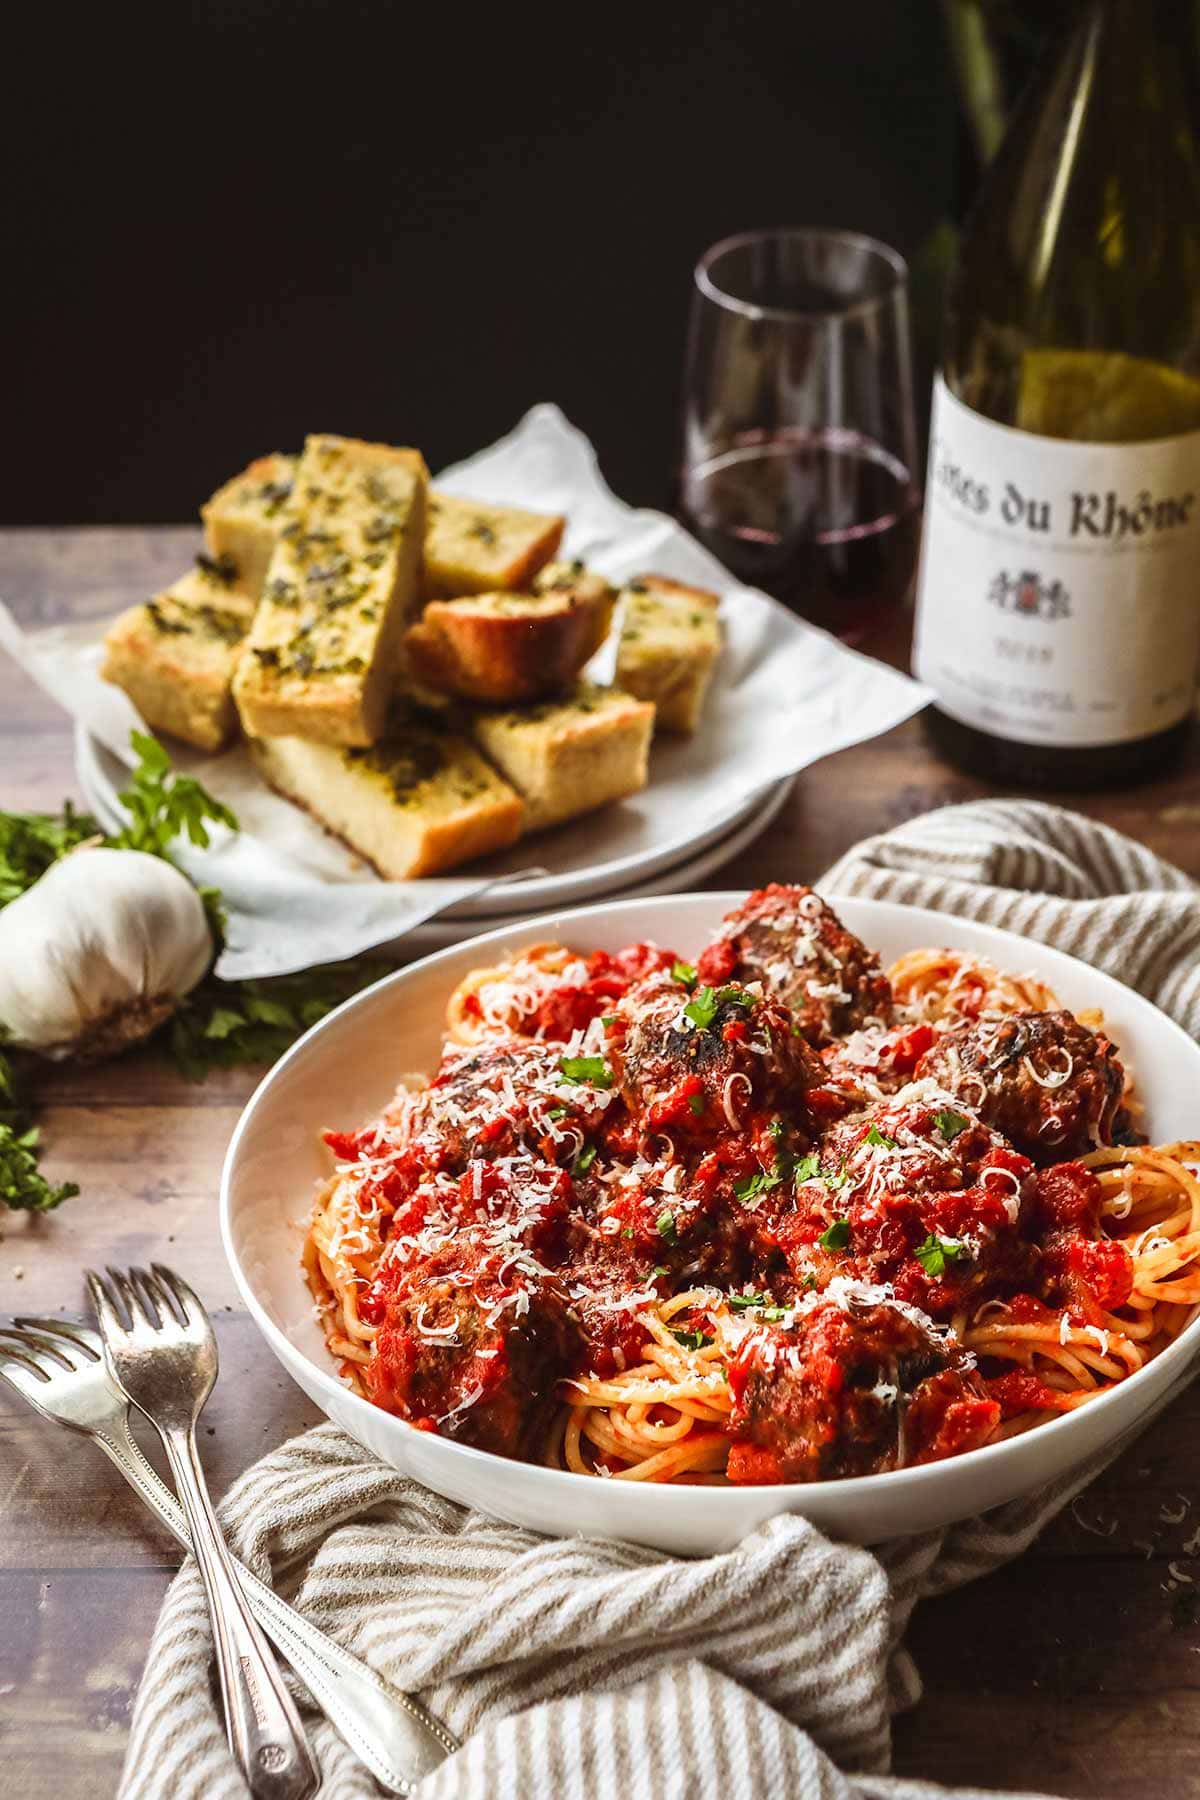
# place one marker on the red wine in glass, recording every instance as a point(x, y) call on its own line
point(825, 520)
point(798, 427)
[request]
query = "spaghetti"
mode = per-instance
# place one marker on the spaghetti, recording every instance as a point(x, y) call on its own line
point(634, 1228)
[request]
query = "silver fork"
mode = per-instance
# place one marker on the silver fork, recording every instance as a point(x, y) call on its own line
point(160, 1349)
point(59, 1368)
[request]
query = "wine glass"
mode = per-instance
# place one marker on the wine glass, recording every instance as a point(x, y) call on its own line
point(800, 449)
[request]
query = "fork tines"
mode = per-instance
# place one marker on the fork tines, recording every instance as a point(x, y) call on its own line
point(140, 1297)
point(42, 1345)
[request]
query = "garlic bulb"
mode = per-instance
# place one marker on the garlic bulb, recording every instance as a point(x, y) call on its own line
point(96, 954)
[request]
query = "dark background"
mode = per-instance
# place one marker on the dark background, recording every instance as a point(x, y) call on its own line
point(234, 222)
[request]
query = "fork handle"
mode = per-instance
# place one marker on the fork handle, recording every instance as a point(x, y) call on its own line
point(393, 1734)
point(264, 1729)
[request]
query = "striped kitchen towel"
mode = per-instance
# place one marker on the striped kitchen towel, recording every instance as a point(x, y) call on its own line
point(576, 1668)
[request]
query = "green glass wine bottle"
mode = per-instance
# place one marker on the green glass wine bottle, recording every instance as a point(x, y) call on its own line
point(1058, 618)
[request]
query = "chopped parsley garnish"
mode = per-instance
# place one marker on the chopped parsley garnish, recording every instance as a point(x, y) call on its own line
point(696, 1102)
point(657, 1270)
point(608, 1019)
point(777, 1129)
point(666, 1227)
point(747, 1186)
point(701, 1009)
point(809, 1282)
point(587, 1068)
point(223, 1024)
point(807, 1169)
point(936, 1252)
point(740, 1302)
point(627, 1232)
point(835, 1236)
point(773, 1314)
point(950, 1124)
point(557, 1112)
point(584, 1160)
point(685, 973)
point(692, 1340)
point(879, 1139)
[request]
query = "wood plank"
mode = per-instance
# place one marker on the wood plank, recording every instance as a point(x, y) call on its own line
point(71, 1655)
point(1074, 1681)
point(149, 1189)
point(63, 1505)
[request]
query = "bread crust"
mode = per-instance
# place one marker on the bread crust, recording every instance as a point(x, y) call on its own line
point(501, 647)
point(450, 807)
point(570, 757)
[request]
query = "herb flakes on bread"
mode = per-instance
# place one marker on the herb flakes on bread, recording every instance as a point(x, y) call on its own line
point(175, 655)
point(243, 518)
point(568, 757)
point(670, 640)
point(474, 548)
point(420, 801)
point(321, 657)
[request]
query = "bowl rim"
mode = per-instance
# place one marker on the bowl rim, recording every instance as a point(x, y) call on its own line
point(660, 1495)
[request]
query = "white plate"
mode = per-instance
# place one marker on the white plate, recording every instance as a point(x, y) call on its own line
point(345, 1069)
point(439, 934)
point(571, 873)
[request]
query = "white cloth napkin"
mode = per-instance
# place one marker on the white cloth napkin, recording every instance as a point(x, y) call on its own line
point(579, 1668)
point(784, 695)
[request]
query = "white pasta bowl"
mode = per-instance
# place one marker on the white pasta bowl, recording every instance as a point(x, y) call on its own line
point(347, 1067)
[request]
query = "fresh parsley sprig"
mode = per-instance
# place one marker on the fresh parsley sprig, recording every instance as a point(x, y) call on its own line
point(23, 1187)
point(223, 1024)
point(31, 842)
point(163, 805)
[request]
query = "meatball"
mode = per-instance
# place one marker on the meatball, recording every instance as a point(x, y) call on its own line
point(610, 1281)
point(1051, 1086)
point(915, 1193)
point(471, 1342)
point(852, 1385)
point(1081, 1269)
point(791, 941)
point(505, 1097)
point(698, 1065)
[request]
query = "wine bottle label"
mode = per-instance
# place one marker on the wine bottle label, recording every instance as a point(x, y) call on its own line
point(1059, 596)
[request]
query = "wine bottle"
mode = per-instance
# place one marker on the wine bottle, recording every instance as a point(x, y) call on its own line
point(1058, 618)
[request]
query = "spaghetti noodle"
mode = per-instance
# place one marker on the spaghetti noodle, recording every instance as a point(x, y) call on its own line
point(631, 1231)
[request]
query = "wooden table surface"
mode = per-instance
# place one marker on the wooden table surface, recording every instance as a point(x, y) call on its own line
point(1076, 1670)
